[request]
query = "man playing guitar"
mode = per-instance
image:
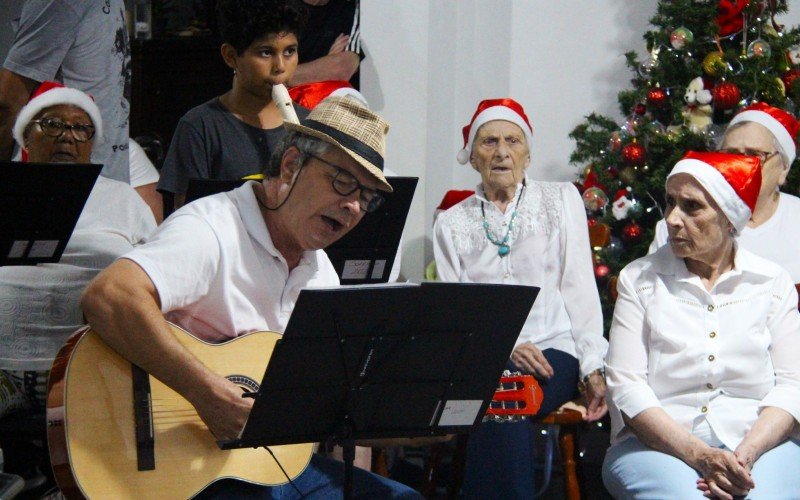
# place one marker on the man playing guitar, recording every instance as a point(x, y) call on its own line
point(234, 263)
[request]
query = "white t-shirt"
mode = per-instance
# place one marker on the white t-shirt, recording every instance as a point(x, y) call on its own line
point(218, 274)
point(39, 305)
point(143, 172)
point(549, 249)
point(707, 358)
point(777, 239)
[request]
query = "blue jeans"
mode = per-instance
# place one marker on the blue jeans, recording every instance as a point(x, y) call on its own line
point(633, 470)
point(322, 479)
point(500, 456)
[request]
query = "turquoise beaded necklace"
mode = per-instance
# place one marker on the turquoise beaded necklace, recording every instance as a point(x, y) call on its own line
point(502, 245)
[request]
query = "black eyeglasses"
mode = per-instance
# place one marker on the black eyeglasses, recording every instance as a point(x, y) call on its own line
point(346, 184)
point(762, 155)
point(53, 127)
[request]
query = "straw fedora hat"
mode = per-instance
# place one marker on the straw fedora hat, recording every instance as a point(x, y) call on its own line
point(351, 127)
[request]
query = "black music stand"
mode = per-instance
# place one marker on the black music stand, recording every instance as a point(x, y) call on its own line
point(386, 361)
point(367, 253)
point(40, 203)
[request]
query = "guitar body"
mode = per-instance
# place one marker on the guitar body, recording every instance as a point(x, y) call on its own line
point(92, 428)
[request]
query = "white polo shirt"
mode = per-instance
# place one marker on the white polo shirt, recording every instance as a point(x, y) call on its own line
point(217, 272)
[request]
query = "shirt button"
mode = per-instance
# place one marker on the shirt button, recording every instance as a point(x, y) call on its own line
point(710, 307)
point(507, 275)
point(711, 357)
point(712, 334)
point(710, 386)
point(704, 409)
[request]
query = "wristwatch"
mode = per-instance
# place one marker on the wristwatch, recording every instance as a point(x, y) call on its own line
point(583, 383)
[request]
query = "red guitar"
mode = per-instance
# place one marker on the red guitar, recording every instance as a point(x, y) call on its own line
point(517, 397)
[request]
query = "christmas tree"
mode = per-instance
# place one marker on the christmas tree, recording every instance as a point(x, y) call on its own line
point(706, 59)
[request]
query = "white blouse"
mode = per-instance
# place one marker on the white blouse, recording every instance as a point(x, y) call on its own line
point(549, 248)
point(709, 359)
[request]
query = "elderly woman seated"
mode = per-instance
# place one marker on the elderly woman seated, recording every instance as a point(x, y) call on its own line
point(702, 371)
point(518, 231)
point(39, 304)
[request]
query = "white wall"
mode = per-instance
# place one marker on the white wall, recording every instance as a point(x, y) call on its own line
point(430, 62)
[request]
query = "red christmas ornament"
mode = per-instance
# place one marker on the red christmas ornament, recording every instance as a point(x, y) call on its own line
point(726, 95)
point(789, 77)
point(632, 232)
point(640, 109)
point(591, 221)
point(657, 98)
point(601, 271)
point(634, 154)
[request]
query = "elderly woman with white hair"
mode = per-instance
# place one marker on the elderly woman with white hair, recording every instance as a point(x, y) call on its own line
point(39, 305)
point(702, 372)
point(518, 231)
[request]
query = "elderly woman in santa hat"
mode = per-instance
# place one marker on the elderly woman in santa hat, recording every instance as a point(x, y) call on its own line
point(702, 371)
point(517, 231)
point(41, 303)
point(772, 231)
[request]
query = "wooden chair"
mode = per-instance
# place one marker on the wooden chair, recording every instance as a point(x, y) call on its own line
point(563, 422)
point(567, 422)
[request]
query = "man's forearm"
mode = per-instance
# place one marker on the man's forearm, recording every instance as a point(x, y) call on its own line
point(339, 66)
point(14, 93)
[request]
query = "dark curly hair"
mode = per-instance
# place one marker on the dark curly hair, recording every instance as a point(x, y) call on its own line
point(241, 22)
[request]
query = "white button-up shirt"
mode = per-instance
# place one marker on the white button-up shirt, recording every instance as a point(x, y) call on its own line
point(549, 248)
point(707, 358)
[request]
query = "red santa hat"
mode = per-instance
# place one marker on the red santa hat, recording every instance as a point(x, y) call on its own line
point(732, 180)
point(783, 125)
point(309, 95)
point(490, 110)
point(454, 197)
point(50, 94)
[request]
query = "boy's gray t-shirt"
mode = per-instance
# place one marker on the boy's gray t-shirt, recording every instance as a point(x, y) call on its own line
point(211, 143)
point(84, 44)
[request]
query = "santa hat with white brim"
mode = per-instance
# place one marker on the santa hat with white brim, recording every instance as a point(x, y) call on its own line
point(732, 180)
point(781, 124)
point(490, 110)
point(50, 94)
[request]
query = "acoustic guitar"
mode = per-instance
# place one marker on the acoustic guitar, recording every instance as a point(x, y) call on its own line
point(116, 432)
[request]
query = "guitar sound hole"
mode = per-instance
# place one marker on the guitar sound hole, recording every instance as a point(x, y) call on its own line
point(246, 383)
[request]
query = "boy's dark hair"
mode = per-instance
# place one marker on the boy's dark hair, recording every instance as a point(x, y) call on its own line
point(241, 22)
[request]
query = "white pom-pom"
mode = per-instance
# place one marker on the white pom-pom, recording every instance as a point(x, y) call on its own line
point(463, 157)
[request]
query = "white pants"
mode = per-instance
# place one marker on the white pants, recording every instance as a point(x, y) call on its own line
point(632, 470)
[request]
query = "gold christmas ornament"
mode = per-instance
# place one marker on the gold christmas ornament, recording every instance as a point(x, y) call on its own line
point(714, 64)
